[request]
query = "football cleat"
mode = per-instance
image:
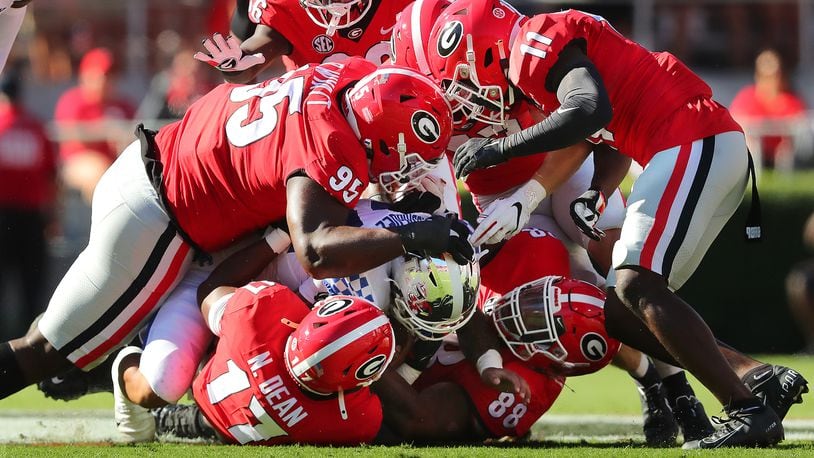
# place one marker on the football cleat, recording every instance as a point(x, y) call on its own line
point(660, 427)
point(691, 418)
point(182, 421)
point(779, 387)
point(134, 422)
point(756, 426)
point(75, 383)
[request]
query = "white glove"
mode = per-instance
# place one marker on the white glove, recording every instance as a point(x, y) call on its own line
point(226, 55)
point(586, 210)
point(505, 217)
point(5, 5)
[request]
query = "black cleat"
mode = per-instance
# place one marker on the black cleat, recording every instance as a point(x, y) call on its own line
point(660, 427)
point(748, 427)
point(183, 421)
point(691, 418)
point(779, 387)
point(75, 383)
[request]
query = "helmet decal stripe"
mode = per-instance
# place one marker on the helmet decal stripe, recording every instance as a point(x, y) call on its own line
point(338, 344)
point(418, 44)
point(587, 299)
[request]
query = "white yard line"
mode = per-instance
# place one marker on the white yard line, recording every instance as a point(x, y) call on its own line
point(97, 426)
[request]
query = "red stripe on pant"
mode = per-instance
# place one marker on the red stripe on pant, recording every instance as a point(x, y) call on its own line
point(665, 205)
point(141, 313)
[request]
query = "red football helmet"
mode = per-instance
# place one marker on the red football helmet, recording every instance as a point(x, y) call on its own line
point(408, 46)
point(404, 122)
point(556, 322)
point(336, 14)
point(343, 343)
point(468, 51)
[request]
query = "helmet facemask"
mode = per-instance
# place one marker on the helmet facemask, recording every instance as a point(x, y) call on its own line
point(525, 320)
point(336, 14)
point(411, 170)
point(434, 297)
point(469, 98)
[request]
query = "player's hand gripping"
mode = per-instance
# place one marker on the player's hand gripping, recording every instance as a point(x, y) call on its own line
point(477, 153)
point(225, 54)
point(586, 210)
point(439, 234)
point(504, 218)
point(506, 381)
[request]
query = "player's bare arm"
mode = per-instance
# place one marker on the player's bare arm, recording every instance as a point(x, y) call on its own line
point(325, 246)
point(440, 413)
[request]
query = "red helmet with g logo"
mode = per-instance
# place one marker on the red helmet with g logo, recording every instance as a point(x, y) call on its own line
point(468, 51)
point(556, 322)
point(404, 122)
point(408, 46)
point(336, 14)
point(343, 343)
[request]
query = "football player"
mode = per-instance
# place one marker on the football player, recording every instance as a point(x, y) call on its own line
point(302, 146)
point(551, 327)
point(303, 32)
point(509, 195)
point(594, 83)
point(283, 372)
point(12, 13)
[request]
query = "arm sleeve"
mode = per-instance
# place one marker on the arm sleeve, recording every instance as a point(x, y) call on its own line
point(584, 109)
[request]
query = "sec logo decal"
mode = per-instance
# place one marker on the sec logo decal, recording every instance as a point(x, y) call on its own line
point(323, 44)
point(593, 346)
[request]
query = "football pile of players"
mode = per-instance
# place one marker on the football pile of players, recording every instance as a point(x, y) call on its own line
point(293, 251)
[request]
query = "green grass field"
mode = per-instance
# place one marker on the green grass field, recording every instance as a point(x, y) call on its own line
point(596, 414)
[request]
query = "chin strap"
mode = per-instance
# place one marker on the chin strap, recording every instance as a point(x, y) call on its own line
point(343, 411)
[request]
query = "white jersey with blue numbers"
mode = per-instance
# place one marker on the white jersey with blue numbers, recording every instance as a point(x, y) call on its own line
point(373, 285)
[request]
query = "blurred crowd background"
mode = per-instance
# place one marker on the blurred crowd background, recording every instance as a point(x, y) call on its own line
point(82, 74)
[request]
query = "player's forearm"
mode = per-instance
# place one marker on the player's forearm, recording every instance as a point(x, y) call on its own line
point(560, 165)
point(477, 337)
point(339, 251)
point(585, 108)
point(266, 42)
point(610, 168)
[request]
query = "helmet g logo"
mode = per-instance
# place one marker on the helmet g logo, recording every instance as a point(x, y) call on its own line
point(333, 307)
point(370, 367)
point(593, 346)
point(426, 127)
point(450, 38)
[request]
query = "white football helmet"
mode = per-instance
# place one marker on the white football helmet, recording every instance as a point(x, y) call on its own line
point(433, 297)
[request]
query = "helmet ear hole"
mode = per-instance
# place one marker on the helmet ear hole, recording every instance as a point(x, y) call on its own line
point(488, 58)
point(383, 148)
point(406, 97)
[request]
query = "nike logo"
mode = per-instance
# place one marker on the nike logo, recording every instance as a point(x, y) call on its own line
point(560, 110)
point(384, 31)
point(519, 207)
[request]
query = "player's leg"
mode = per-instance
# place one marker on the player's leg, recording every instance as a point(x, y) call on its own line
point(678, 197)
point(133, 259)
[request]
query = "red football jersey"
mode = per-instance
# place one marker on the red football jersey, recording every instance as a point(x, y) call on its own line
point(369, 38)
point(502, 414)
point(227, 161)
point(518, 170)
point(245, 390)
point(657, 101)
point(531, 254)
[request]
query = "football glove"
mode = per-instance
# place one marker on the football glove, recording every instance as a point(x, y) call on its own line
point(477, 153)
point(586, 210)
point(429, 236)
point(426, 196)
point(505, 217)
point(226, 55)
